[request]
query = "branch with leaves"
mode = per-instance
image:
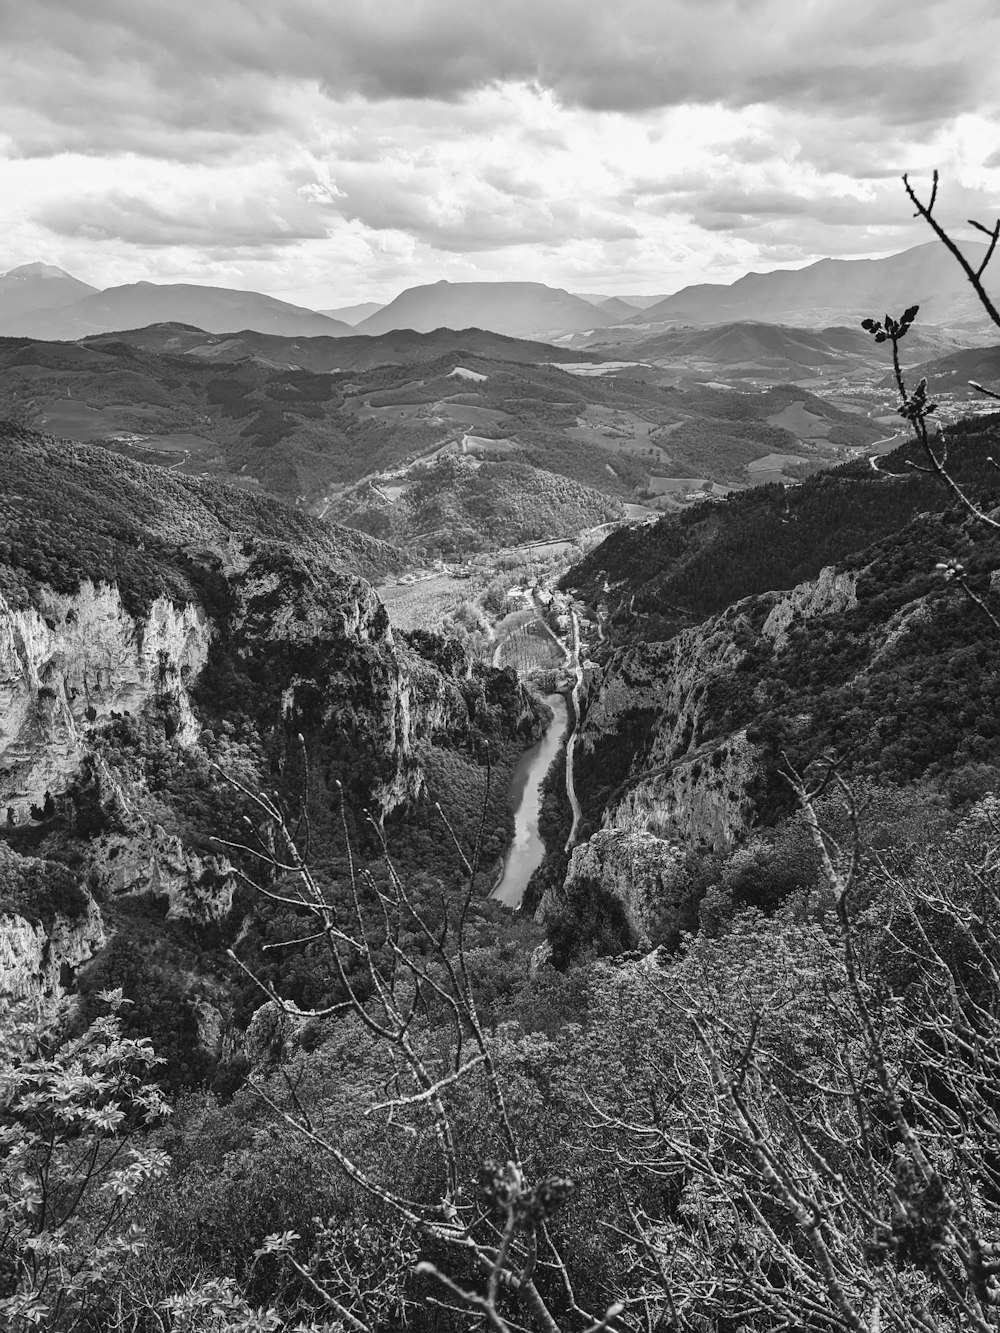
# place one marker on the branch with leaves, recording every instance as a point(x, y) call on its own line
point(494, 1227)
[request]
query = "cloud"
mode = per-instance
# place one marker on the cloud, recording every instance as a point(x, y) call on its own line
point(323, 149)
point(204, 222)
point(225, 64)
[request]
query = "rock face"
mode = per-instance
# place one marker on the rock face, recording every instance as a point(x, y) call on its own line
point(148, 861)
point(322, 648)
point(110, 721)
point(69, 664)
point(682, 783)
point(40, 953)
point(636, 867)
point(831, 591)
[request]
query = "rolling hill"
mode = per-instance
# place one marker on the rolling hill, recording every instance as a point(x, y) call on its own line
point(324, 354)
point(519, 309)
point(240, 408)
point(617, 308)
point(749, 348)
point(952, 373)
point(464, 504)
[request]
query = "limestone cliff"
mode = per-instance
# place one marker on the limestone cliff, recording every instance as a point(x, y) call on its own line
point(44, 938)
point(73, 661)
point(678, 781)
point(109, 719)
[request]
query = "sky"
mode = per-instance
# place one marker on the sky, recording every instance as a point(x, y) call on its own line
point(328, 153)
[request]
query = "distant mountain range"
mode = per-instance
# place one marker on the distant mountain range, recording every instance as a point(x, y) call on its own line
point(44, 302)
point(748, 348)
point(354, 314)
point(214, 309)
point(835, 291)
point(518, 309)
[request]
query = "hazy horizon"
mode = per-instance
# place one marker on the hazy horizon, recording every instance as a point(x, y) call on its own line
point(361, 300)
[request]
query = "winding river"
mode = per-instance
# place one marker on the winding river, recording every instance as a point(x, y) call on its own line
point(527, 850)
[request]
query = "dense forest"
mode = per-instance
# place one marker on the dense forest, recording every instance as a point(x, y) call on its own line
point(71, 511)
point(466, 505)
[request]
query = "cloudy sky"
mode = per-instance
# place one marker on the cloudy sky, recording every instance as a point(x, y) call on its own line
point(329, 152)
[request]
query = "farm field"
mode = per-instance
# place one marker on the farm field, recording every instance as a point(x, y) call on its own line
point(423, 605)
point(802, 423)
point(529, 648)
point(774, 462)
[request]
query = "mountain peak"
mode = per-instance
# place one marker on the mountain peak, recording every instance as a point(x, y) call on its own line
point(37, 270)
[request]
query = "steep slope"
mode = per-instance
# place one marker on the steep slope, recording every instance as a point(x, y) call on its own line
point(834, 291)
point(38, 287)
point(156, 632)
point(658, 579)
point(214, 309)
point(875, 659)
point(519, 309)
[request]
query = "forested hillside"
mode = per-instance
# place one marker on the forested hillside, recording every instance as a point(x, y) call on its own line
point(266, 412)
point(464, 504)
point(70, 512)
point(659, 578)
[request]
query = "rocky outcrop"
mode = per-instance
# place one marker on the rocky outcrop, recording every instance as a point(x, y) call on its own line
point(638, 868)
point(702, 798)
point(71, 662)
point(149, 862)
point(686, 783)
point(829, 592)
point(40, 954)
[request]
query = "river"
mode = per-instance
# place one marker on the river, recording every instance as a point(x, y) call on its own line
point(527, 850)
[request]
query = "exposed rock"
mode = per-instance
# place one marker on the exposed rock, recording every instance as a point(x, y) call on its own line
point(830, 591)
point(636, 866)
point(149, 861)
point(70, 663)
point(702, 798)
point(39, 958)
point(211, 1027)
point(686, 785)
point(541, 957)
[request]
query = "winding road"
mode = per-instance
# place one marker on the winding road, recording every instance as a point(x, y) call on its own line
point(574, 663)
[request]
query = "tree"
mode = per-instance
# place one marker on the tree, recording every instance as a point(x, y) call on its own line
point(72, 1117)
point(916, 406)
point(409, 985)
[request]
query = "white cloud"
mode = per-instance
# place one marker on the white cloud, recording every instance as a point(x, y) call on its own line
point(327, 151)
